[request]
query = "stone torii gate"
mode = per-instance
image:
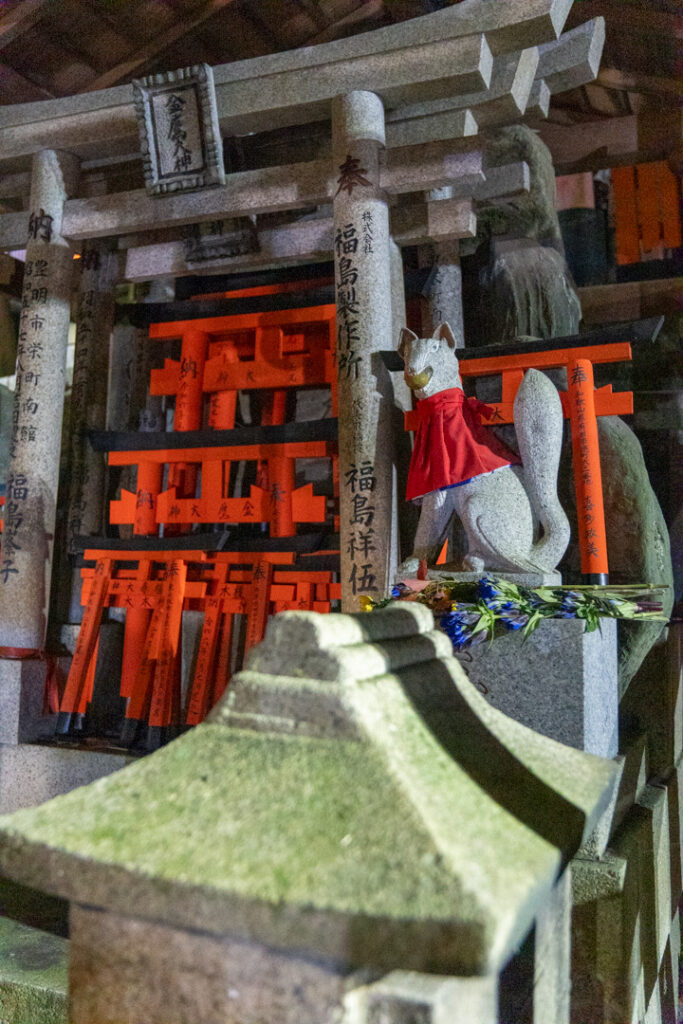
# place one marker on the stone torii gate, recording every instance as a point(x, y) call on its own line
point(406, 166)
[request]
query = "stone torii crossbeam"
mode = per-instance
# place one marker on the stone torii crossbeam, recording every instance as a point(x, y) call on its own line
point(466, 61)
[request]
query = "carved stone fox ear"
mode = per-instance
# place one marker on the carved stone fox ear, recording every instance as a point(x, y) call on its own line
point(405, 336)
point(444, 331)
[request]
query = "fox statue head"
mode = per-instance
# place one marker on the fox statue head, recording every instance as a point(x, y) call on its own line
point(431, 364)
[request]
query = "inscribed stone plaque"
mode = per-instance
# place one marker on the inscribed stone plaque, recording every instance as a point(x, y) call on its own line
point(179, 132)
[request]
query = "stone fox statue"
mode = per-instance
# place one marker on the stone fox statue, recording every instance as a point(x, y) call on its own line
point(510, 512)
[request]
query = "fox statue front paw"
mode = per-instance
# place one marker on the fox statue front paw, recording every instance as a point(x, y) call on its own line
point(408, 568)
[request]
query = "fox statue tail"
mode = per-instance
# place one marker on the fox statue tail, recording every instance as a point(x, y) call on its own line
point(538, 424)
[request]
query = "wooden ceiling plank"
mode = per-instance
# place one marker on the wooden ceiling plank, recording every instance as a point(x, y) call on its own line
point(20, 18)
point(366, 10)
point(261, 28)
point(13, 81)
point(314, 12)
point(146, 53)
point(614, 78)
point(643, 19)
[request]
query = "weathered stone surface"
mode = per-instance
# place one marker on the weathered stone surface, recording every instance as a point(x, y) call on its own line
point(33, 773)
point(560, 681)
point(638, 547)
point(654, 800)
point(88, 410)
point(6, 403)
point(125, 969)
point(399, 828)
point(533, 216)
point(364, 322)
point(33, 975)
point(527, 291)
point(574, 58)
point(552, 959)
point(440, 53)
point(596, 844)
point(305, 241)
point(404, 997)
point(504, 100)
point(653, 703)
point(597, 878)
point(22, 683)
point(635, 774)
point(29, 519)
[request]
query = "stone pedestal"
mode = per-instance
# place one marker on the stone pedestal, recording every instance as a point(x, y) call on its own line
point(524, 579)
point(364, 328)
point(22, 684)
point(26, 561)
point(122, 968)
point(560, 681)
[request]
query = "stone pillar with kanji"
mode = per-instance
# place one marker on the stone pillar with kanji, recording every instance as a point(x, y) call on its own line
point(364, 328)
point(89, 389)
point(31, 497)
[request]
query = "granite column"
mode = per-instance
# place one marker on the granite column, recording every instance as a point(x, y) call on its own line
point(27, 543)
point(443, 299)
point(364, 328)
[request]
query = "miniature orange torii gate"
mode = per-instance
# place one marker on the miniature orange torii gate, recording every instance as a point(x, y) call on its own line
point(275, 350)
point(581, 403)
point(154, 593)
point(282, 505)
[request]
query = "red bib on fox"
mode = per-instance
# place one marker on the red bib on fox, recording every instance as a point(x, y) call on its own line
point(452, 445)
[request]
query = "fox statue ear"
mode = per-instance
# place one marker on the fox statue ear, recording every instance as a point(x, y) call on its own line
point(405, 336)
point(444, 331)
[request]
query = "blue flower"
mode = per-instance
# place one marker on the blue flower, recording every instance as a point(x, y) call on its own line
point(514, 619)
point(454, 625)
point(488, 590)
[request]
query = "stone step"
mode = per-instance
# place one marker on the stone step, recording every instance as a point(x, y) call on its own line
point(33, 975)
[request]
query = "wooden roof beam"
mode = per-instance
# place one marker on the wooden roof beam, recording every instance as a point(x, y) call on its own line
point(150, 50)
point(19, 19)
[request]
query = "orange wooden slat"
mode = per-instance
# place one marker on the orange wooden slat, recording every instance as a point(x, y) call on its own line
point(647, 205)
point(243, 321)
point(258, 604)
point(670, 207)
point(625, 215)
point(587, 472)
point(87, 638)
point(247, 452)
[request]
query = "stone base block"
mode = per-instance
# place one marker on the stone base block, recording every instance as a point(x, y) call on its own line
point(560, 681)
point(32, 773)
point(524, 579)
point(405, 997)
point(127, 970)
point(22, 685)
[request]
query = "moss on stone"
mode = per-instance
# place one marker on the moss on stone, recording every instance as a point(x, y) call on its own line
point(309, 822)
point(33, 975)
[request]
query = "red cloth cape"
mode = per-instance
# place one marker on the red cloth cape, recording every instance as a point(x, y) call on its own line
point(452, 445)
